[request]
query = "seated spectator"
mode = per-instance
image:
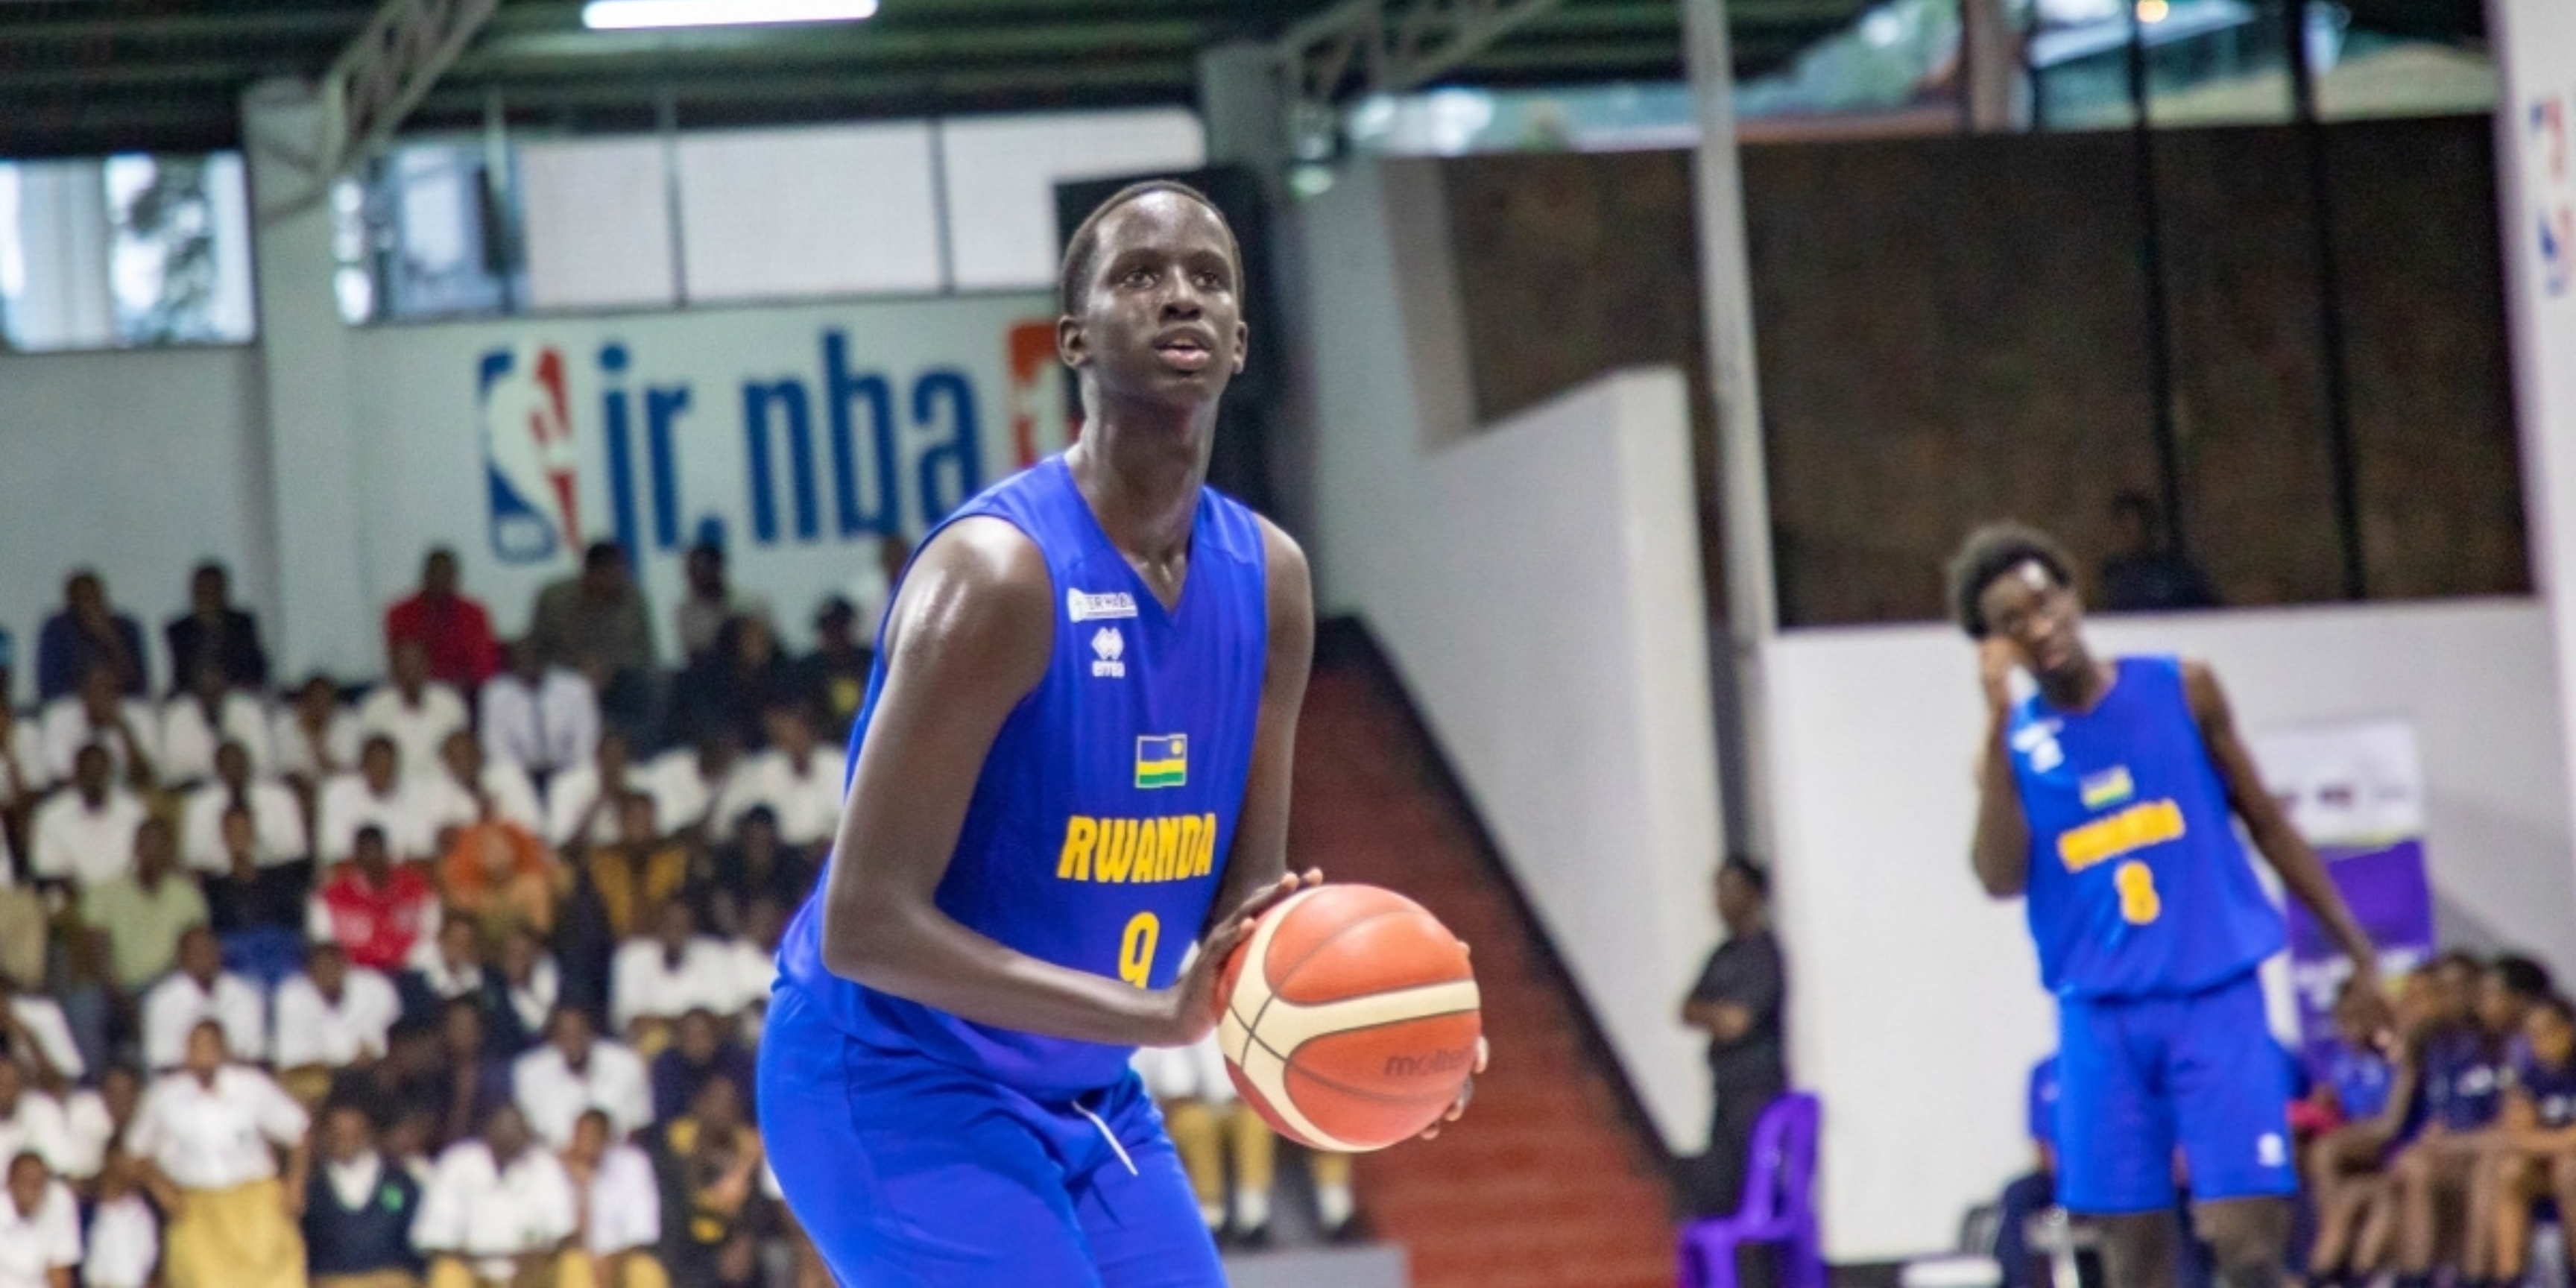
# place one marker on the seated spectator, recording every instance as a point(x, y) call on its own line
point(95, 1121)
point(450, 966)
point(498, 1212)
point(474, 1075)
point(198, 992)
point(544, 719)
point(25, 772)
point(417, 712)
point(797, 778)
point(330, 1017)
point(412, 1075)
point(212, 1130)
point(655, 981)
point(711, 1167)
point(86, 835)
point(619, 1203)
point(245, 897)
point(124, 1231)
point(2534, 1150)
point(469, 789)
point(32, 1122)
point(454, 631)
point(214, 633)
point(206, 715)
point(597, 623)
point(753, 865)
point(690, 783)
point(98, 715)
point(581, 802)
point(2343, 1165)
point(642, 871)
point(755, 964)
point(710, 603)
point(89, 634)
point(501, 876)
point(358, 1209)
point(575, 1070)
point(40, 1235)
point(379, 796)
point(277, 821)
point(34, 1035)
point(2461, 1069)
point(145, 914)
point(377, 911)
point(836, 672)
point(316, 739)
point(700, 1049)
point(726, 689)
point(521, 996)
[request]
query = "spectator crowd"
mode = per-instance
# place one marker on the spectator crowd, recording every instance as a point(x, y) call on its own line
point(449, 979)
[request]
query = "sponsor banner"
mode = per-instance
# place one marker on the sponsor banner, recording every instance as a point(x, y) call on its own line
point(2355, 790)
point(799, 436)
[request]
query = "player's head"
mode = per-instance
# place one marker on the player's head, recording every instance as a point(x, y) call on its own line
point(2013, 582)
point(2550, 1028)
point(2507, 990)
point(1152, 295)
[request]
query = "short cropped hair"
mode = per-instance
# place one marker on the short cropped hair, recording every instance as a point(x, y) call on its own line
point(1752, 871)
point(1082, 250)
point(2521, 976)
point(1992, 551)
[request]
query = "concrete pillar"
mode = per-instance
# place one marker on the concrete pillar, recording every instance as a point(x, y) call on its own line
point(314, 457)
point(1245, 110)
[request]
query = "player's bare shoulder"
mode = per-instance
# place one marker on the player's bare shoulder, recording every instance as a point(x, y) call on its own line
point(980, 594)
point(2208, 699)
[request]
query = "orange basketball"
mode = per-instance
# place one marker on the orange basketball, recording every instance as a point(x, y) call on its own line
point(1350, 1018)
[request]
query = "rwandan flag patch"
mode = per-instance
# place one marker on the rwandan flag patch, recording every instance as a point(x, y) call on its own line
point(1163, 761)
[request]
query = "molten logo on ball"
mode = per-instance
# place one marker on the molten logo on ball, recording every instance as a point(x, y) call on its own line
point(1350, 1018)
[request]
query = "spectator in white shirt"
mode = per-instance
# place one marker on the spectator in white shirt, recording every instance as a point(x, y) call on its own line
point(34, 1034)
point(24, 771)
point(198, 992)
point(330, 1017)
point(99, 714)
point(212, 1130)
point(317, 737)
point(40, 1238)
point(619, 1203)
point(755, 963)
point(443, 968)
point(95, 1119)
point(414, 710)
point(33, 1122)
point(544, 719)
point(379, 796)
point(498, 1210)
point(276, 820)
point(652, 982)
point(690, 783)
point(124, 1231)
point(470, 788)
point(210, 714)
point(86, 835)
point(581, 802)
point(797, 778)
point(577, 1070)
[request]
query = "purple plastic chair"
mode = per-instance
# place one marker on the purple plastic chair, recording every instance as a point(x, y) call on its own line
point(1778, 1207)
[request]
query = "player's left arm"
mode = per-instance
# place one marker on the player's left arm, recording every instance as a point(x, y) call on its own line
point(2280, 844)
point(1259, 856)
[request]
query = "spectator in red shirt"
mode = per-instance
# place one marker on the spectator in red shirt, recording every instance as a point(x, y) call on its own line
point(373, 909)
point(456, 630)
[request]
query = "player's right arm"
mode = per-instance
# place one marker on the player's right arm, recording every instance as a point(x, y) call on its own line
point(969, 637)
point(2001, 849)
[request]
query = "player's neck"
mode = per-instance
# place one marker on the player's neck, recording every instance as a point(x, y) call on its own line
point(1140, 469)
point(2079, 687)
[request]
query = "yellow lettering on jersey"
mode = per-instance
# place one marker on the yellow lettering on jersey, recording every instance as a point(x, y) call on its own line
point(2130, 830)
point(1080, 834)
point(1172, 847)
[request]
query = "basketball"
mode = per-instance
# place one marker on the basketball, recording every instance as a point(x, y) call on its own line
point(1350, 1018)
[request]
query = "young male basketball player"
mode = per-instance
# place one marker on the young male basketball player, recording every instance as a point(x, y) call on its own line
point(1076, 742)
point(2106, 798)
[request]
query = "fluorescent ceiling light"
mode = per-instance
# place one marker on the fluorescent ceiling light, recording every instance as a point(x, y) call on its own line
point(629, 15)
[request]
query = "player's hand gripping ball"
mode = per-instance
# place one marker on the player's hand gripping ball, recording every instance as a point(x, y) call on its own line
point(1350, 1018)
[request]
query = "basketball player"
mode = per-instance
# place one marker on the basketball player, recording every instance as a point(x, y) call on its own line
point(2105, 798)
point(1075, 743)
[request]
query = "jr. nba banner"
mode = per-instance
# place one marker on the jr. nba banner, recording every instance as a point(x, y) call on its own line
point(2355, 789)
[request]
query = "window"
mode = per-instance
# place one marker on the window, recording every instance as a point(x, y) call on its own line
point(125, 251)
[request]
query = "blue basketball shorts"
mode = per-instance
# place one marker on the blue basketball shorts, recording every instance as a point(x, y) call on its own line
point(2142, 1078)
point(910, 1173)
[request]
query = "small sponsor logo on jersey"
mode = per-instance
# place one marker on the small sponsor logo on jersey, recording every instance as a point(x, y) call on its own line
point(2270, 1151)
point(2038, 740)
point(2108, 788)
point(1163, 761)
point(1108, 648)
point(1087, 607)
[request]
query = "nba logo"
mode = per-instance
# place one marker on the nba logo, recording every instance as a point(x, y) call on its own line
point(2554, 194)
point(528, 455)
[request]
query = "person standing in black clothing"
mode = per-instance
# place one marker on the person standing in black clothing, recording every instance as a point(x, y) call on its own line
point(1737, 1002)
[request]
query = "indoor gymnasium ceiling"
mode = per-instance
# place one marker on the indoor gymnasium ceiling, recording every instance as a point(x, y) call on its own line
point(93, 76)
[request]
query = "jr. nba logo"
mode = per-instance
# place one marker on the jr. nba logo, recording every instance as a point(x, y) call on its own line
point(2554, 193)
point(528, 453)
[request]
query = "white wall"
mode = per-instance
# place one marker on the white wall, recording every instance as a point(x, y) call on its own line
point(1916, 1009)
point(1538, 584)
point(136, 464)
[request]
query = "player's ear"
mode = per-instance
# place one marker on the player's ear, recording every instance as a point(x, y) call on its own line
point(1242, 345)
point(1072, 345)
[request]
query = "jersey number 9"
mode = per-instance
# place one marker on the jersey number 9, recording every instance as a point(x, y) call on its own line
point(1136, 949)
point(2139, 903)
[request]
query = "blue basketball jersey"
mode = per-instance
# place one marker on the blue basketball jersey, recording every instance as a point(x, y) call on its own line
point(1098, 830)
point(2552, 1088)
point(2138, 886)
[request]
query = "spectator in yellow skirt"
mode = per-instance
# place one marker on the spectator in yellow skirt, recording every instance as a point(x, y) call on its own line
point(212, 1133)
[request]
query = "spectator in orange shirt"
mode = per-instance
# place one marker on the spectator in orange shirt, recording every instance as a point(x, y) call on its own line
point(502, 876)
